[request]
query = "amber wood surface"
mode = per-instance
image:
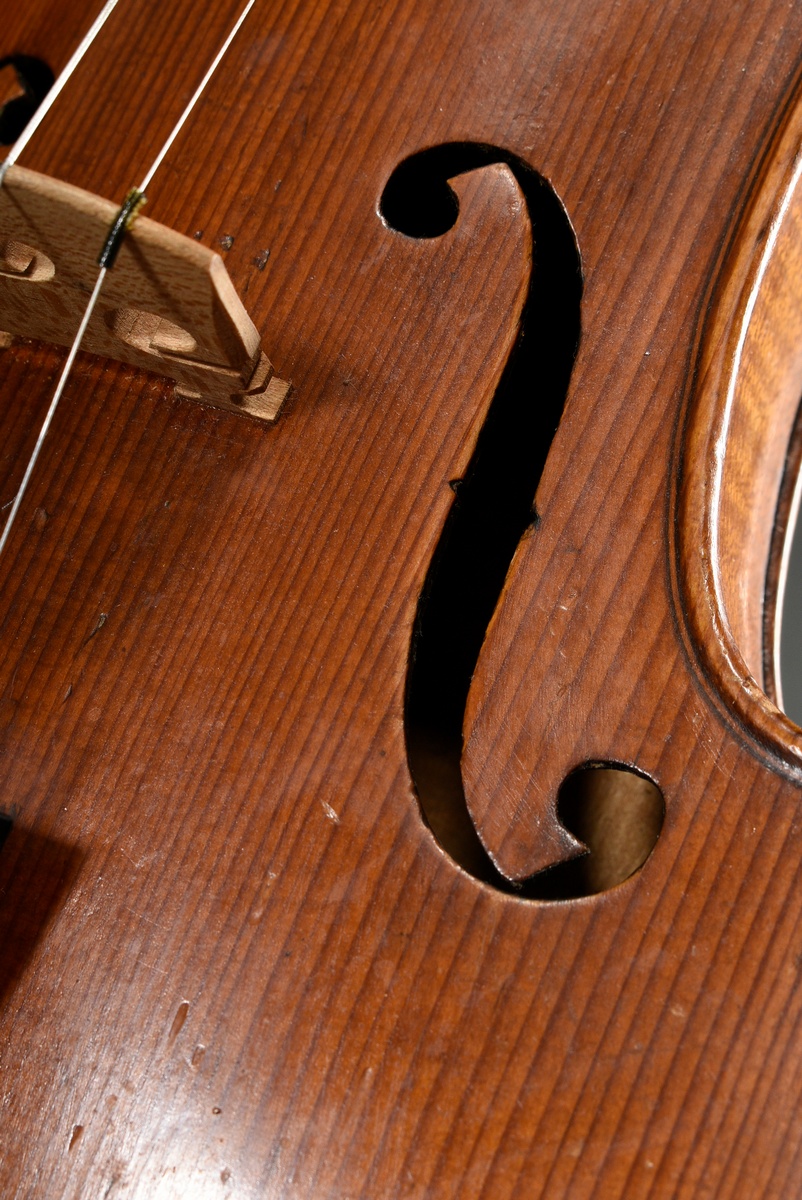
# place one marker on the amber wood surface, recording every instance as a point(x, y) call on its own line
point(236, 961)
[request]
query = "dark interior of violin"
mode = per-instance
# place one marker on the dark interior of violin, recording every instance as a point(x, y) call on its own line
point(396, 794)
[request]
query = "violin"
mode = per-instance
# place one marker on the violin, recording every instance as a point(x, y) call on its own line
point(396, 795)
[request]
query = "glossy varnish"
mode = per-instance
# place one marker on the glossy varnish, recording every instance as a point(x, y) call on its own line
point(236, 961)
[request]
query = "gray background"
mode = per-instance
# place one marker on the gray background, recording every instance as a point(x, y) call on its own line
point(791, 643)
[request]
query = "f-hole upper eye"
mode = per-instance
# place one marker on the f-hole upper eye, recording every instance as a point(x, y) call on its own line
point(24, 83)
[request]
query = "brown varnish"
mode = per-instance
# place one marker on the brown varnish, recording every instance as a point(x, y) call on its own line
point(236, 960)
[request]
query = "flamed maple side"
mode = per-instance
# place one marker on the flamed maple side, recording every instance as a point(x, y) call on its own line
point(236, 959)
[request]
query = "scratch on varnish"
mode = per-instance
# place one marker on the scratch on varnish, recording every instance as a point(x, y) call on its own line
point(142, 917)
point(151, 966)
point(101, 621)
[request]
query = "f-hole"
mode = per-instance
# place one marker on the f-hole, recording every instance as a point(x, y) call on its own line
point(5, 828)
point(492, 510)
point(24, 83)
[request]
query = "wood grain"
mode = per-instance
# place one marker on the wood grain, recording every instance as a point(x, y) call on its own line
point(236, 960)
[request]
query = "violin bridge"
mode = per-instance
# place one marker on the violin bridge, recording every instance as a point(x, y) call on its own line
point(168, 305)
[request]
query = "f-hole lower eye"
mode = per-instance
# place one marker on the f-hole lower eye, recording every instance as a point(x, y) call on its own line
point(617, 814)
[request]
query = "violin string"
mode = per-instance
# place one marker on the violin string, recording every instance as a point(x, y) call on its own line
point(143, 187)
point(57, 88)
point(133, 202)
point(53, 406)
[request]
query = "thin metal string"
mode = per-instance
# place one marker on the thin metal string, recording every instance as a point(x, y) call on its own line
point(143, 187)
point(53, 406)
point(76, 345)
point(55, 91)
